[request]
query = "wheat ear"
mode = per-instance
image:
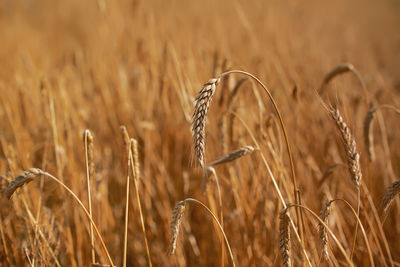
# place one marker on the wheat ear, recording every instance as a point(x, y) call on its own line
point(241, 152)
point(323, 233)
point(391, 192)
point(334, 238)
point(203, 101)
point(353, 161)
point(202, 104)
point(284, 233)
point(32, 173)
point(323, 223)
point(353, 157)
point(176, 220)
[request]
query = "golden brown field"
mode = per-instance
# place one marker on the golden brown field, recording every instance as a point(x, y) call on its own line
point(99, 64)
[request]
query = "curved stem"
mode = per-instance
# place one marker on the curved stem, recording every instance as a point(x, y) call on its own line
point(295, 189)
point(361, 227)
point(378, 223)
point(327, 228)
point(86, 212)
point(219, 225)
point(275, 185)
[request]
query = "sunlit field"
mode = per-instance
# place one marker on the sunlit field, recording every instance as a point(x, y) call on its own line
point(199, 133)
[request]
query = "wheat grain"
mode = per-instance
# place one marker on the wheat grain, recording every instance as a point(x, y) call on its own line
point(243, 151)
point(323, 233)
point(202, 104)
point(20, 180)
point(391, 192)
point(175, 225)
point(135, 154)
point(353, 157)
point(284, 232)
point(125, 138)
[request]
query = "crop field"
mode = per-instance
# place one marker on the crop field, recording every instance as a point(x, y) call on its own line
point(199, 133)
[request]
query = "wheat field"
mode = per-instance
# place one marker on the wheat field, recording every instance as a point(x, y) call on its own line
point(244, 133)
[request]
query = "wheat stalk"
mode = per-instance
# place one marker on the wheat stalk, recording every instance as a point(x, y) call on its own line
point(323, 228)
point(136, 172)
point(340, 69)
point(176, 221)
point(353, 160)
point(32, 173)
point(89, 157)
point(202, 104)
point(367, 128)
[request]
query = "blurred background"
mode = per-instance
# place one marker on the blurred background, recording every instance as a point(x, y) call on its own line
point(67, 66)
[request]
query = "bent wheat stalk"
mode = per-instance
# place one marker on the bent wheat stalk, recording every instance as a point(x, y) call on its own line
point(202, 104)
point(324, 225)
point(367, 127)
point(324, 236)
point(32, 173)
point(176, 222)
point(353, 160)
point(340, 69)
point(278, 191)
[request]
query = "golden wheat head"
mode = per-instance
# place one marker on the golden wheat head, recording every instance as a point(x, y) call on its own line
point(353, 157)
point(175, 225)
point(391, 192)
point(284, 232)
point(20, 180)
point(323, 232)
point(202, 104)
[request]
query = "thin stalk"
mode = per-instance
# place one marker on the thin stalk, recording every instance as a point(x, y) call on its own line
point(89, 195)
point(295, 188)
point(378, 223)
point(361, 227)
point(3, 238)
point(136, 179)
point(278, 191)
point(327, 228)
point(37, 230)
point(356, 230)
point(86, 212)
point(217, 222)
point(126, 210)
point(221, 215)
